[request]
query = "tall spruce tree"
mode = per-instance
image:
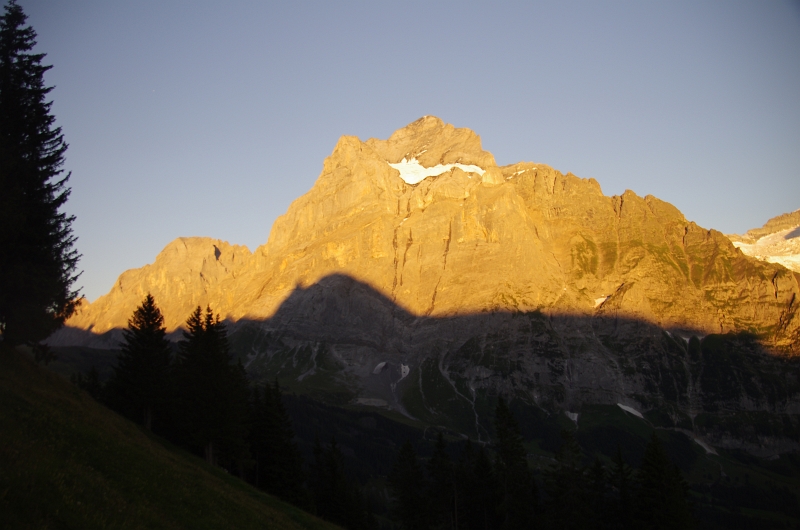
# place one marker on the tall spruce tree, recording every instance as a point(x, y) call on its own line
point(518, 495)
point(336, 497)
point(568, 505)
point(621, 481)
point(662, 495)
point(278, 462)
point(90, 382)
point(407, 484)
point(441, 495)
point(476, 501)
point(598, 491)
point(212, 393)
point(38, 264)
point(139, 386)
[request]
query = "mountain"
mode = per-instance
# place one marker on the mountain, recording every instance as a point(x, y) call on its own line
point(778, 241)
point(518, 238)
point(418, 276)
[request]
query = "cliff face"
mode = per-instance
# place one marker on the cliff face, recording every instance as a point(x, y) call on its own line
point(516, 238)
point(480, 280)
point(190, 271)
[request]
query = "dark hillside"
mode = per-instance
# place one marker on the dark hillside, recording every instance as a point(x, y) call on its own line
point(68, 462)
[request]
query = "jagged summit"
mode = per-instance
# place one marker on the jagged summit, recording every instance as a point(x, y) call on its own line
point(432, 142)
point(472, 238)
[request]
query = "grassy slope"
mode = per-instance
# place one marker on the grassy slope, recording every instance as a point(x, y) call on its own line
point(68, 462)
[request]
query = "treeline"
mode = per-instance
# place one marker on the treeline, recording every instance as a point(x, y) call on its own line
point(199, 399)
point(498, 490)
point(195, 396)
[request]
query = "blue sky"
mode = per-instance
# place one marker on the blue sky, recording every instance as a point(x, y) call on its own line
point(208, 118)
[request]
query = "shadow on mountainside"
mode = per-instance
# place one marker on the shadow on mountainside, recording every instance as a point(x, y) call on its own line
point(343, 342)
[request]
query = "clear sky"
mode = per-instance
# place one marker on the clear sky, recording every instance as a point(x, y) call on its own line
point(200, 118)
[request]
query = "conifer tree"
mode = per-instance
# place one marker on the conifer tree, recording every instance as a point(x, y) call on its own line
point(233, 447)
point(662, 495)
point(278, 463)
point(139, 386)
point(337, 498)
point(263, 435)
point(568, 504)
point(518, 496)
point(441, 494)
point(477, 490)
point(407, 484)
point(598, 492)
point(38, 263)
point(621, 482)
point(90, 382)
point(212, 392)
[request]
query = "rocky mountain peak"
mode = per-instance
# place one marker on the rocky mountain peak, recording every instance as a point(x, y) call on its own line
point(472, 238)
point(433, 142)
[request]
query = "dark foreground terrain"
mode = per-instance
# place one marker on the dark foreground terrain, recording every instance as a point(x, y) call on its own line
point(68, 462)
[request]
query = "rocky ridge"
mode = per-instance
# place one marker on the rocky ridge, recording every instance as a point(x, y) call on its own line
point(517, 238)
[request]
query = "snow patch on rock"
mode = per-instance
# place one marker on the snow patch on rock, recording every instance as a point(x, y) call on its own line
point(379, 367)
point(404, 370)
point(709, 450)
point(413, 172)
point(631, 410)
point(372, 402)
point(782, 247)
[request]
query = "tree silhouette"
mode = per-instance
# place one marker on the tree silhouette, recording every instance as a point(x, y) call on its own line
point(138, 388)
point(621, 481)
point(566, 486)
point(337, 498)
point(441, 494)
point(477, 490)
point(212, 392)
point(278, 463)
point(90, 382)
point(38, 262)
point(661, 501)
point(598, 491)
point(518, 496)
point(407, 484)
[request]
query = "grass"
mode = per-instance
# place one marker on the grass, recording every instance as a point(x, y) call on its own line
point(68, 462)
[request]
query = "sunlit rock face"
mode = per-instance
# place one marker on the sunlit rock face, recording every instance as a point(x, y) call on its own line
point(470, 237)
point(190, 271)
point(778, 241)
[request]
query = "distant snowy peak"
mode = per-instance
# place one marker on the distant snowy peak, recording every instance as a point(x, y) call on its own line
point(413, 172)
point(775, 242)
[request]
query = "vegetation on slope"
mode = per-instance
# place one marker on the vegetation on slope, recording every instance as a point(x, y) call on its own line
point(68, 462)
